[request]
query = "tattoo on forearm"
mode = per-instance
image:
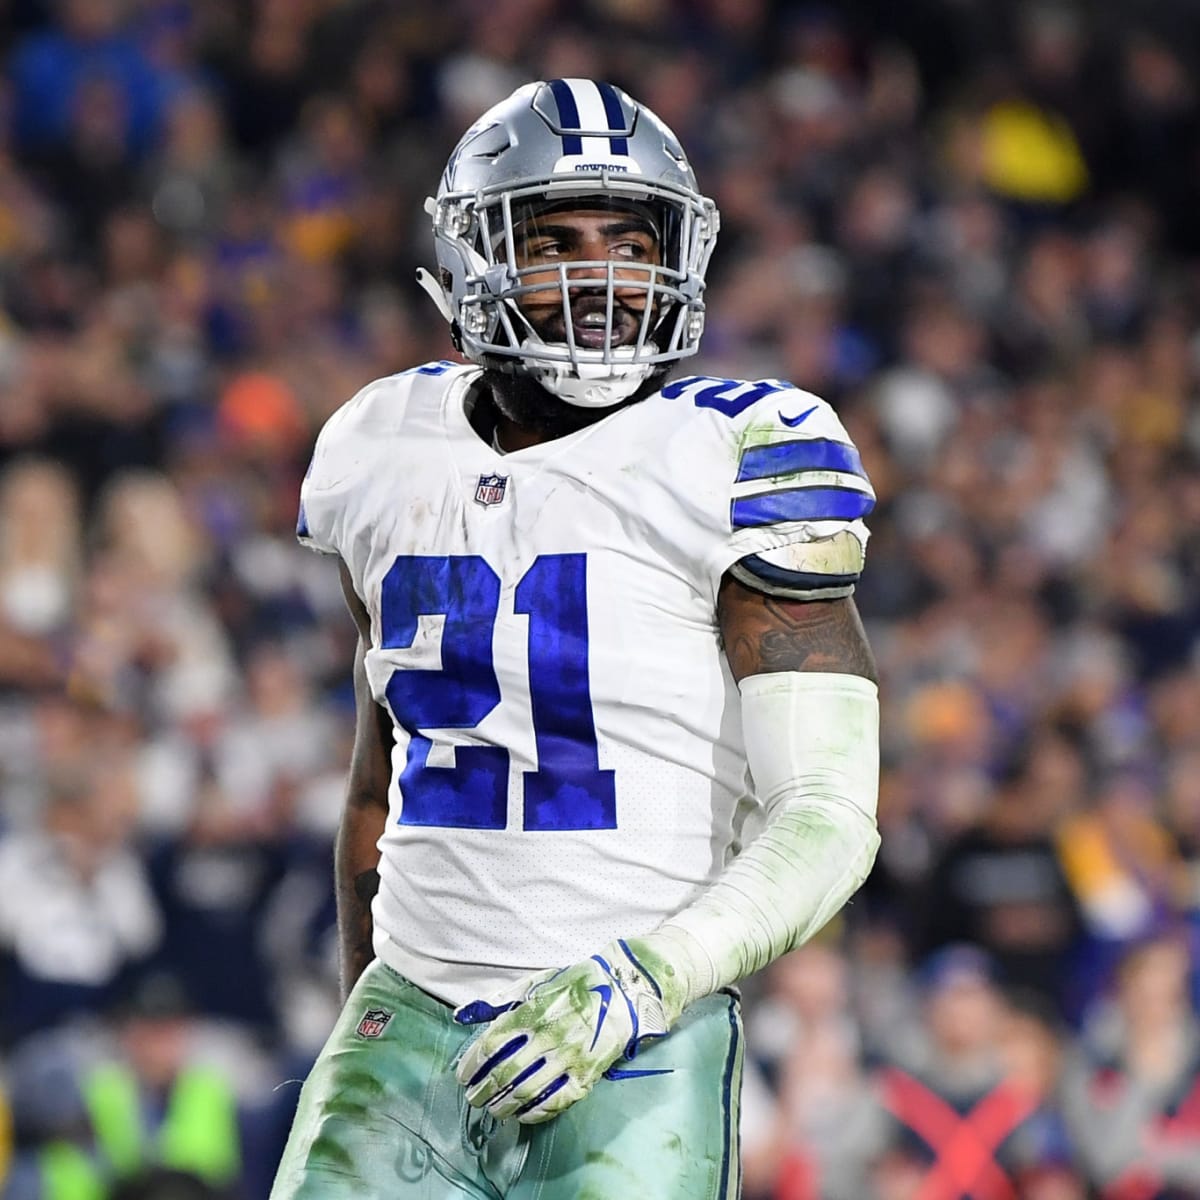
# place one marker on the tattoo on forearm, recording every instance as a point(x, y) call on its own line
point(366, 884)
point(780, 635)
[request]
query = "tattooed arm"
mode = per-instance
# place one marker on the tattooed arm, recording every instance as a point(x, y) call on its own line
point(356, 856)
point(765, 633)
point(810, 720)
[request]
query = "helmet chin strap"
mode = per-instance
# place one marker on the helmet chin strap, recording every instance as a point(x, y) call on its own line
point(587, 385)
point(435, 292)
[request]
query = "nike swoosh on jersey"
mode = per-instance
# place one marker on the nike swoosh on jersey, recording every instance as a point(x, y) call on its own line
point(792, 422)
point(604, 991)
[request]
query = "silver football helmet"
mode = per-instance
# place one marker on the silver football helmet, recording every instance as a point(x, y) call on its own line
point(545, 147)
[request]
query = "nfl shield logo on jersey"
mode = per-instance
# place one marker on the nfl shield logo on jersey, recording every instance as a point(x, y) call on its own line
point(490, 489)
point(374, 1022)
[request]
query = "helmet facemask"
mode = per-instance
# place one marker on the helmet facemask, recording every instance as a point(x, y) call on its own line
point(494, 328)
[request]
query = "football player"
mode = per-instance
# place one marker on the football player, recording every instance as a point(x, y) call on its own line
point(617, 740)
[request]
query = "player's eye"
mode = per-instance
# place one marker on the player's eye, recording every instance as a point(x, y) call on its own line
point(542, 250)
point(633, 249)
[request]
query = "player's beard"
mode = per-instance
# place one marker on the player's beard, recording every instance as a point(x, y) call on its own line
point(526, 403)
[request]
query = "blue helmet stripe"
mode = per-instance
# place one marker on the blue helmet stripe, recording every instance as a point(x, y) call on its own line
point(616, 118)
point(568, 115)
point(808, 454)
point(801, 504)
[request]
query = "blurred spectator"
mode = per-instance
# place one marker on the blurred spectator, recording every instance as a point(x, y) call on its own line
point(151, 642)
point(1156, 114)
point(959, 1119)
point(1032, 1041)
point(275, 749)
point(323, 179)
point(884, 991)
point(41, 559)
point(829, 1126)
point(190, 179)
point(1124, 868)
point(761, 1134)
point(91, 44)
point(254, 799)
point(93, 159)
point(211, 886)
point(265, 74)
point(806, 998)
point(142, 1101)
point(1001, 886)
point(1132, 1097)
point(49, 1111)
point(76, 910)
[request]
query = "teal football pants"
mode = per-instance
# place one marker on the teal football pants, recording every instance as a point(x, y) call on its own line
point(382, 1116)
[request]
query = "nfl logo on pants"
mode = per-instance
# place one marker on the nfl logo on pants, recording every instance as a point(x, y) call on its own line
point(374, 1022)
point(490, 489)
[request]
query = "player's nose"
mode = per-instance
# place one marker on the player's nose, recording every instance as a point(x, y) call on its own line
point(589, 267)
point(587, 280)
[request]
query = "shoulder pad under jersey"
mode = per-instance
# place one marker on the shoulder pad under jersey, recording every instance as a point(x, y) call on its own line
point(797, 489)
point(349, 441)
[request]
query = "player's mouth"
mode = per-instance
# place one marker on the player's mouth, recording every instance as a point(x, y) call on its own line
point(590, 328)
point(592, 331)
point(590, 323)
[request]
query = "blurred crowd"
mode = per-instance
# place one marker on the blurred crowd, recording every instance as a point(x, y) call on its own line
point(970, 224)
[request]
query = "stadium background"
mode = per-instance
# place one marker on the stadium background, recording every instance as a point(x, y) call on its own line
point(970, 224)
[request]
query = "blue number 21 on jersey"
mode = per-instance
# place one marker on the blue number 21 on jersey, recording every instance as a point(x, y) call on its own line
point(568, 790)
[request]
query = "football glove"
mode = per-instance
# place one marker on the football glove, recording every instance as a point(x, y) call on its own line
point(546, 1050)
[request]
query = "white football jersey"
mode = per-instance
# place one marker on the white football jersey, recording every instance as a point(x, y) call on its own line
point(568, 764)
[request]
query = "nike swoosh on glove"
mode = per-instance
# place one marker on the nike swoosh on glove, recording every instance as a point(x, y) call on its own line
point(542, 1054)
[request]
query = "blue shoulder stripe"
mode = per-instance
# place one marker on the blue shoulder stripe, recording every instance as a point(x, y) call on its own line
point(800, 581)
point(302, 521)
point(801, 504)
point(807, 454)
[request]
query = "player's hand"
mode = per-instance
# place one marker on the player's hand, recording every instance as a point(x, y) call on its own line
point(543, 1053)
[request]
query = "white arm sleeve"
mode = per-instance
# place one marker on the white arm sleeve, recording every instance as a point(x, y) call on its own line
point(812, 743)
